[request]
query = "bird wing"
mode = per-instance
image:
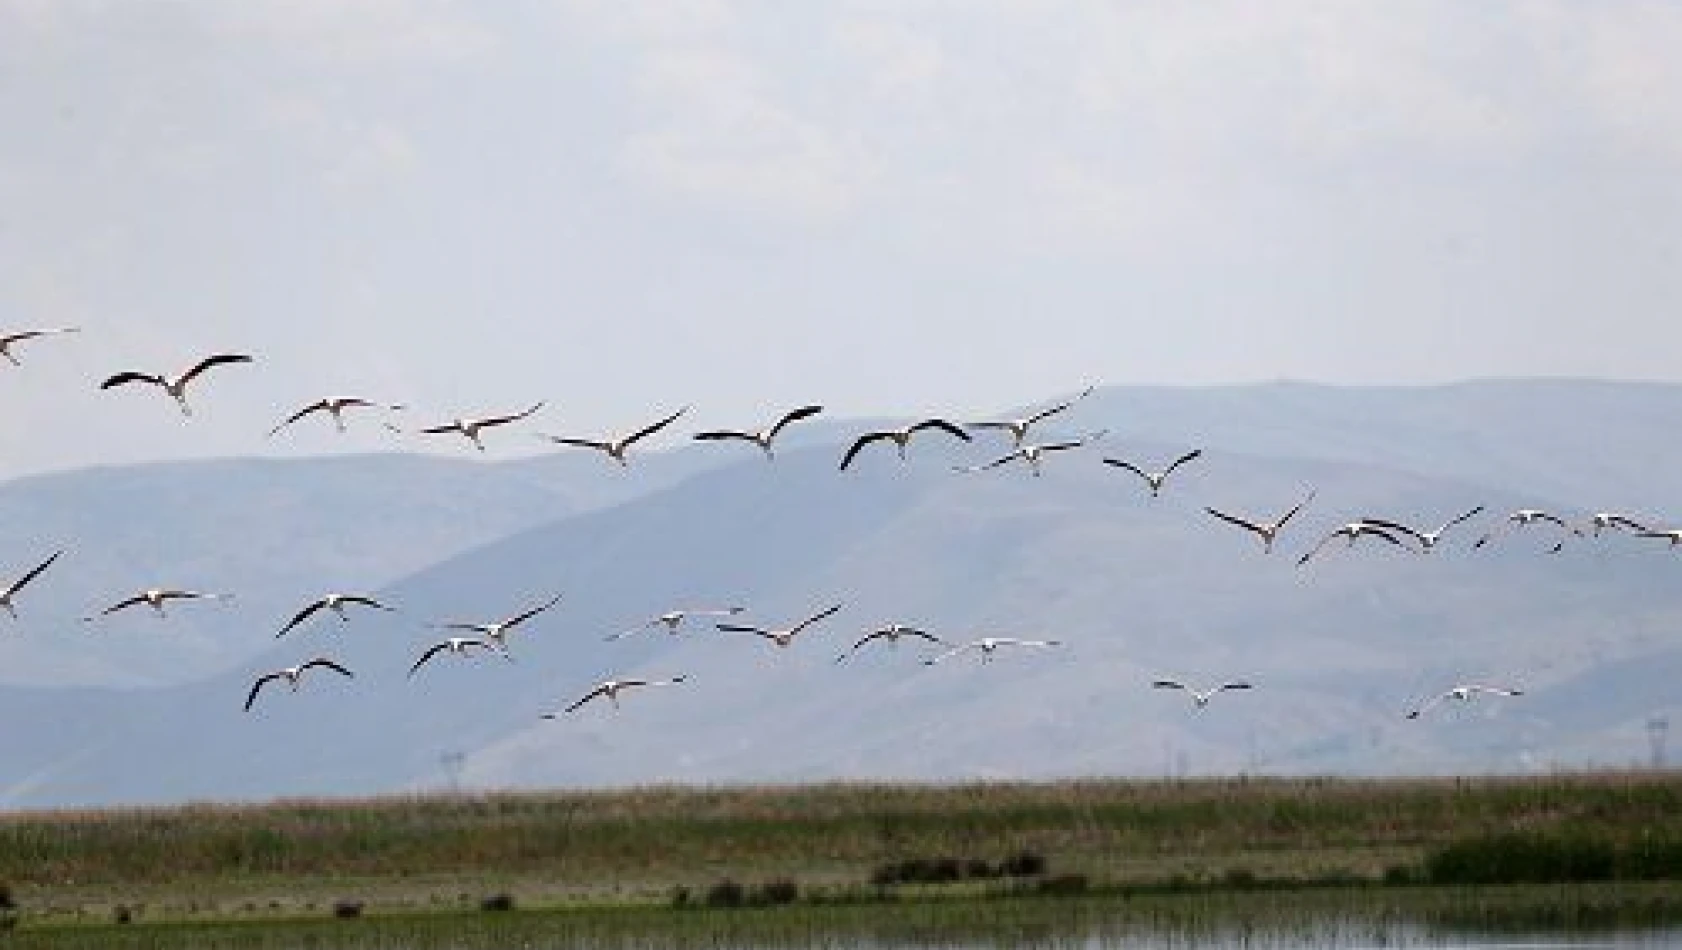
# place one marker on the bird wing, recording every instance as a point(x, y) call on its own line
point(743, 628)
point(1428, 704)
point(121, 604)
point(1465, 517)
point(960, 648)
point(861, 641)
point(596, 444)
point(921, 634)
point(1168, 684)
point(320, 406)
point(649, 430)
point(1235, 520)
point(209, 362)
point(251, 697)
point(1494, 690)
point(439, 430)
point(513, 417)
point(820, 615)
point(1624, 521)
point(132, 376)
point(714, 435)
point(431, 652)
point(793, 415)
point(1368, 528)
point(1293, 512)
point(520, 618)
point(23, 581)
point(860, 443)
point(1414, 533)
point(993, 464)
point(325, 663)
point(365, 601)
point(592, 694)
point(949, 428)
point(1074, 443)
point(1129, 466)
point(988, 425)
point(1191, 456)
point(301, 616)
point(1065, 404)
point(1233, 686)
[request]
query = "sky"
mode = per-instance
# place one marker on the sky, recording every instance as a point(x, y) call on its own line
point(885, 206)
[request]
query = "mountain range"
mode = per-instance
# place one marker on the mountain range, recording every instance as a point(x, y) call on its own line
point(130, 709)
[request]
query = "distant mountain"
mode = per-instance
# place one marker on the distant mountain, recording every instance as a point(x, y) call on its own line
point(274, 533)
point(1135, 588)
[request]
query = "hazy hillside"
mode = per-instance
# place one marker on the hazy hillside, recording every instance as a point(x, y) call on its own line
point(1134, 587)
point(275, 533)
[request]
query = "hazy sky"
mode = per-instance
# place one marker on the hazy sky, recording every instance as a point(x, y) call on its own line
point(883, 205)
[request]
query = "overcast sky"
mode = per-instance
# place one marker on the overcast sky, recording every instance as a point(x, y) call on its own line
point(883, 205)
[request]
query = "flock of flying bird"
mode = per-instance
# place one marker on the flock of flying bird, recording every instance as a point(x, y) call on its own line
point(466, 638)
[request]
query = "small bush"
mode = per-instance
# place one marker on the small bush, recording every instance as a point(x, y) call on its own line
point(6, 901)
point(726, 893)
point(347, 909)
point(977, 868)
point(497, 903)
point(122, 915)
point(1023, 864)
point(681, 896)
point(782, 891)
point(1240, 879)
point(1522, 859)
point(1400, 875)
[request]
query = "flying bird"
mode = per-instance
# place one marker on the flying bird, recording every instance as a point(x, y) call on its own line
point(1351, 532)
point(291, 675)
point(891, 634)
point(671, 620)
point(1018, 427)
point(610, 689)
point(901, 437)
point(1032, 453)
point(1155, 479)
point(986, 646)
point(1612, 521)
point(498, 631)
point(1428, 540)
point(1266, 530)
point(1528, 516)
point(176, 386)
point(18, 336)
point(335, 408)
point(334, 602)
point(155, 598)
point(472, 428)
point(1200, 697)
point(11, 591)
point(1464, 693)
point(763, 437)
point(616, 448)
point(461, 647)
point(781, 637)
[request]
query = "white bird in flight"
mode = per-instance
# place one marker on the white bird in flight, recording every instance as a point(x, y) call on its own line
point(782, 637)
point(1200, 697)
point(611, 689)
point(1155, 479)
point(461, 646)
point(12, 590)
point(671, 620)
point(1033, 453)
point(1351, 532)
point(891, 634)
point(1602, 521)
point(155, 598)
point(763, 437)
point(334, 602)
point(473, 428)
point(176, 386)
point(1524, 517)
point(1266, 530)
point(18, 336)
point(986, 646)
point(901, 437)
point(1464, 693)
point(291, 675)
point(498, 631)
point(335, 408)
point(1428, 540)
point(1018, 427)
point(616, 449)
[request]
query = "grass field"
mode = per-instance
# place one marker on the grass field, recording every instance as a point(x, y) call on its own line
point(407, 857)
